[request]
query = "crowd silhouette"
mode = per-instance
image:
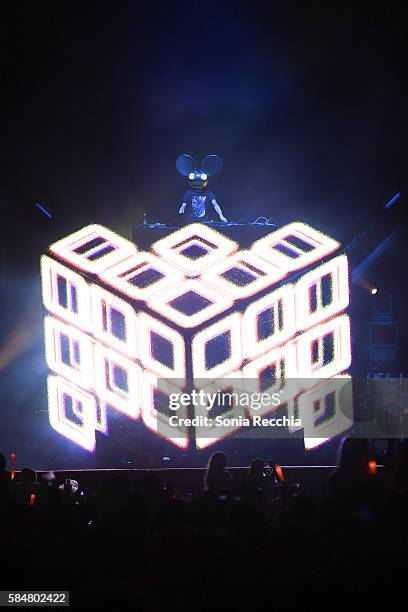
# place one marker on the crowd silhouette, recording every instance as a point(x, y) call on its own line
point(256, 528)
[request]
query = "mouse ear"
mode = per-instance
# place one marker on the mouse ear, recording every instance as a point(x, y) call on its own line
point(211, 165)
point(185, 164)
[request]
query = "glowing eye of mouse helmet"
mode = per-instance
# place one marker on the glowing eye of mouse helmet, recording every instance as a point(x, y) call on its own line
point(198, 178)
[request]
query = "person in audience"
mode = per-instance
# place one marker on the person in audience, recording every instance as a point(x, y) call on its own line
point(217, 480)
point(256, 473)
point(352, 484)
point(27, 486)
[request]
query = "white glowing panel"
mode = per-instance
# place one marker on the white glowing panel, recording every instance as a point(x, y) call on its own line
point(194, 248)
point(117, 381)
point(326, 410)
point(233, 383)
point(268, 322)
point(142, 275)
point(274, 372)
point(101, 418)
point(72, 412)
point(242, 274)
point(293, 412)
point(311, 443)
point(322, 293)
point(69, 352)
point(225, 339)
point(294, 246)
point(114, 321)
point(93, 248)
point(65, 293)
point(325, 350)
point(157, 421)
point(162, 348)
point(190, 303)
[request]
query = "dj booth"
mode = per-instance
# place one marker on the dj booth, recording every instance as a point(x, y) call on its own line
point(243, 233)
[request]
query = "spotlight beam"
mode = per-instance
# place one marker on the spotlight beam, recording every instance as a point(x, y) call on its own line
point(374, 255)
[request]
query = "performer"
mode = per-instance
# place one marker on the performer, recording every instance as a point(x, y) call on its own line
point(197, 200)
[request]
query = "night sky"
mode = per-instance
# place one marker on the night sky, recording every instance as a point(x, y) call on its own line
point(305, 103)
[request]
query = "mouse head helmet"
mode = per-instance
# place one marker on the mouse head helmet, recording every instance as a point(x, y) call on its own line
point(198, 176)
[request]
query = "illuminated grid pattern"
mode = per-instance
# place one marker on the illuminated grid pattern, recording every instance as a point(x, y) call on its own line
point(107, 351)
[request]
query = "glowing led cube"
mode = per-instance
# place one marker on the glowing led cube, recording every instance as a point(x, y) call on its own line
point(129, 328)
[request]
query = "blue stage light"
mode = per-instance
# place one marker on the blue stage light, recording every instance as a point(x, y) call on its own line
point(393, 200)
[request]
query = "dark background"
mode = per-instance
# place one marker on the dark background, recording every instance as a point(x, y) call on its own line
point(305, 103)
